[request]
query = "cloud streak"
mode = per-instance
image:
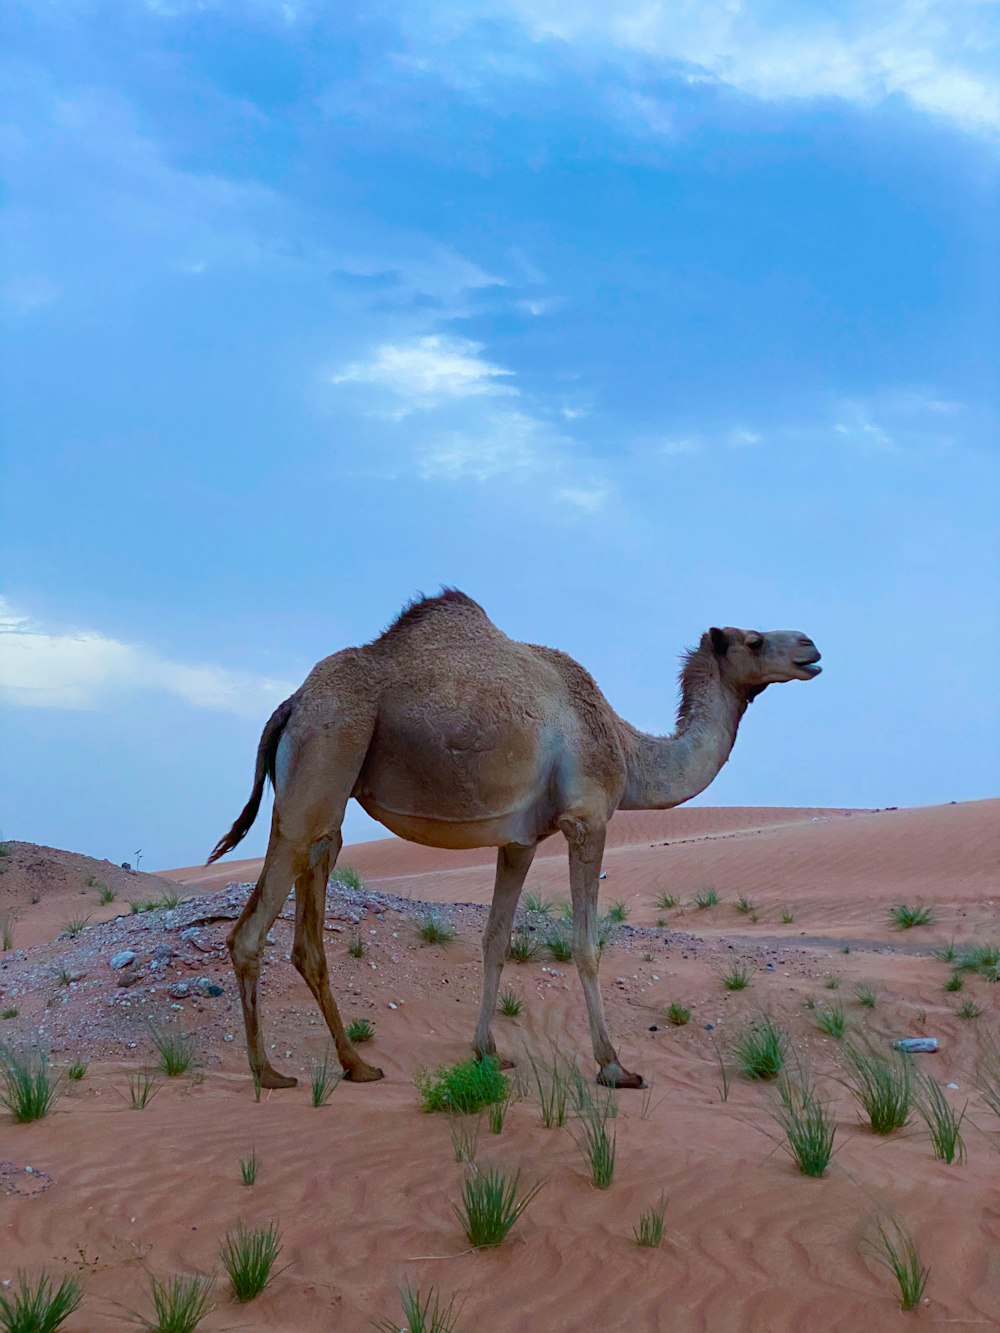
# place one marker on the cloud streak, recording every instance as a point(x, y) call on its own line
point(84, 669)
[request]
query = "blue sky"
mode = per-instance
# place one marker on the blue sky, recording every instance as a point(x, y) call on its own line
point(628, 320)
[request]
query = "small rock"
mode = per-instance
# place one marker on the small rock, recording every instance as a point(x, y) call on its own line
point(228, 1037)
point(709, 1027)
point(124, 958)
point(654, 1028)
point(181, 991)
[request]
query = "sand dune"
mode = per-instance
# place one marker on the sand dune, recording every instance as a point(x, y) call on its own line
point(363, 1188)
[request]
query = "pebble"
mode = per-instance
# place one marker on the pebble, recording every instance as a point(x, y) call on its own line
point(228, 1037)
point(124, 958)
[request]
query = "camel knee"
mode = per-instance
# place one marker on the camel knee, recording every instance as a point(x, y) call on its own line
point(245, 955)
point(587, 960)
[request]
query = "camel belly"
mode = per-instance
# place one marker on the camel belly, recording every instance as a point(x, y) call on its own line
point(457, 835)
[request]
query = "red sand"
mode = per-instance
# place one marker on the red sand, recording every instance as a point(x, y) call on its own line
point(363, 1188)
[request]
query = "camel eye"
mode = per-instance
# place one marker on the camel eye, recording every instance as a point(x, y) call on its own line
point(755, 642)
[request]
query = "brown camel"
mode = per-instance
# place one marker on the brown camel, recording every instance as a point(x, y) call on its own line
point(453, 735)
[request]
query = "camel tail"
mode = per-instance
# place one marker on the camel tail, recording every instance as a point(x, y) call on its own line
point(266, 751)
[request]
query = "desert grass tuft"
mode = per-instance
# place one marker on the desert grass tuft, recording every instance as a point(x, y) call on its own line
point(179, 1303)
point(142, 1088)
point(465, 1087)
point(175, 1049)
point(558, 943)
point(423, 1314)
point(808, 1124)
point(523, 948)
point(988, 1080)
point(596, 1142)
point(496, 1112)
point(435, 930)
point(619, 912)
point(37, 1307)
point(510, 1004)
point(903, 916)
point(76, 1070)
point(737, 978)
point(760, 1048)
point(832, 982)
point(348, 876)
point(969, 1009)
point(883, 1085)
point(464, 1136)
point(943, 1122)
point(248, 1168)
point(666, 902)
point(954, 983)
point(648, 1232)
point(866, 996)
point(105, 894)
point(360, 1029)
point(786, 917)
point(896, 1250)
point(706, 898)
point(490, 1205)
point(534, 902)
point(745, 905)
point(28, 1089)
point(356, 945)
point(832, 1020)
point(6, 929)
point(553, 1082)
point(677, 1014)
point(248, 1256)
point(323, 1078)
point(11, 1011)
point(76, 925)
point(981, 958)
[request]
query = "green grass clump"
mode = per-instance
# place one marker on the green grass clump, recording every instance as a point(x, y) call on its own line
point(77, 1070)
point(946, 953)
point(423, 1314)
point(737, 978)
point(534, 902)
point(464, 1136)
point(142, 1088)
point(180, 1303)
point(649, 1231)
point(465, 1087)
point(596, 1142)
point(249, 1256)
point(523, 947)
point(969, 1009)
point(434, 930)
point(832, 1020)
point(666, 902)
point(981, 958)
point(76, 925)
point(904, 917)
point(6, 929)
point(786, 917)
point(866, 996)
point(808, 1124)
point(558, 943)
point(619, 912)
point(760, 1048)
point(28, 1088)
point(248, 1168)
point(510, 1005)
point(941, 1119)
point(176, 1051)
point(896, 1250)
point(11, 1011)
point(360, 1029)
point(745, 905)
point(34, 1307)
point(167, 901)
point(883, 1085)
point(955, 982)
point(677, 1014)
point(356, 946)
point(137, 905)
point(490, 1205)
point(832, 982)
point(553, 1082)
point(322, 1081)
point(706, 898)
point(348, 876)
point(105, 894)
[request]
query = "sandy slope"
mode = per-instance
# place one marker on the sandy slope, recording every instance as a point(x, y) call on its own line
point(363, 1187)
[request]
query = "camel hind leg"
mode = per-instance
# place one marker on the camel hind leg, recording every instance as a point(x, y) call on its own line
point(246, 941)
point(309, 954)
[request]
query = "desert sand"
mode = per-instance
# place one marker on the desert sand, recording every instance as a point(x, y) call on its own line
point(363, 1188)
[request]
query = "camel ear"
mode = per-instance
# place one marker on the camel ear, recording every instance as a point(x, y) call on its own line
point(720, 644)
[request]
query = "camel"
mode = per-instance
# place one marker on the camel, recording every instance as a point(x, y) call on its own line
point(453, 735)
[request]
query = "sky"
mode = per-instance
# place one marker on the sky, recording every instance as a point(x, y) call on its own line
point(627, 319)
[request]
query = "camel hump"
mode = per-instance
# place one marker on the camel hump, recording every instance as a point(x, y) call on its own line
point(450, 605)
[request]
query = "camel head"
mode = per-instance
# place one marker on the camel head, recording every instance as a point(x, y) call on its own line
point(750, 659)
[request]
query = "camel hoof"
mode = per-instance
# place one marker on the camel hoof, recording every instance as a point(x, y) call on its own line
point(613, 1076)
point(362, 1073)
point(270, 1078)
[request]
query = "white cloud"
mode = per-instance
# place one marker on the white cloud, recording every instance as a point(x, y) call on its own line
point(941, 55)
point(29, 291)
point(84, 670)
point(741, 436)
point(509, 443)
point(686, 444)
point(589, 498)
point(428, 371)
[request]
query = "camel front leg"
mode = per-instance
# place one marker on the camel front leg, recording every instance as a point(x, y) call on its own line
point(513, 864)
point(586, 848)
point(309, 956)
